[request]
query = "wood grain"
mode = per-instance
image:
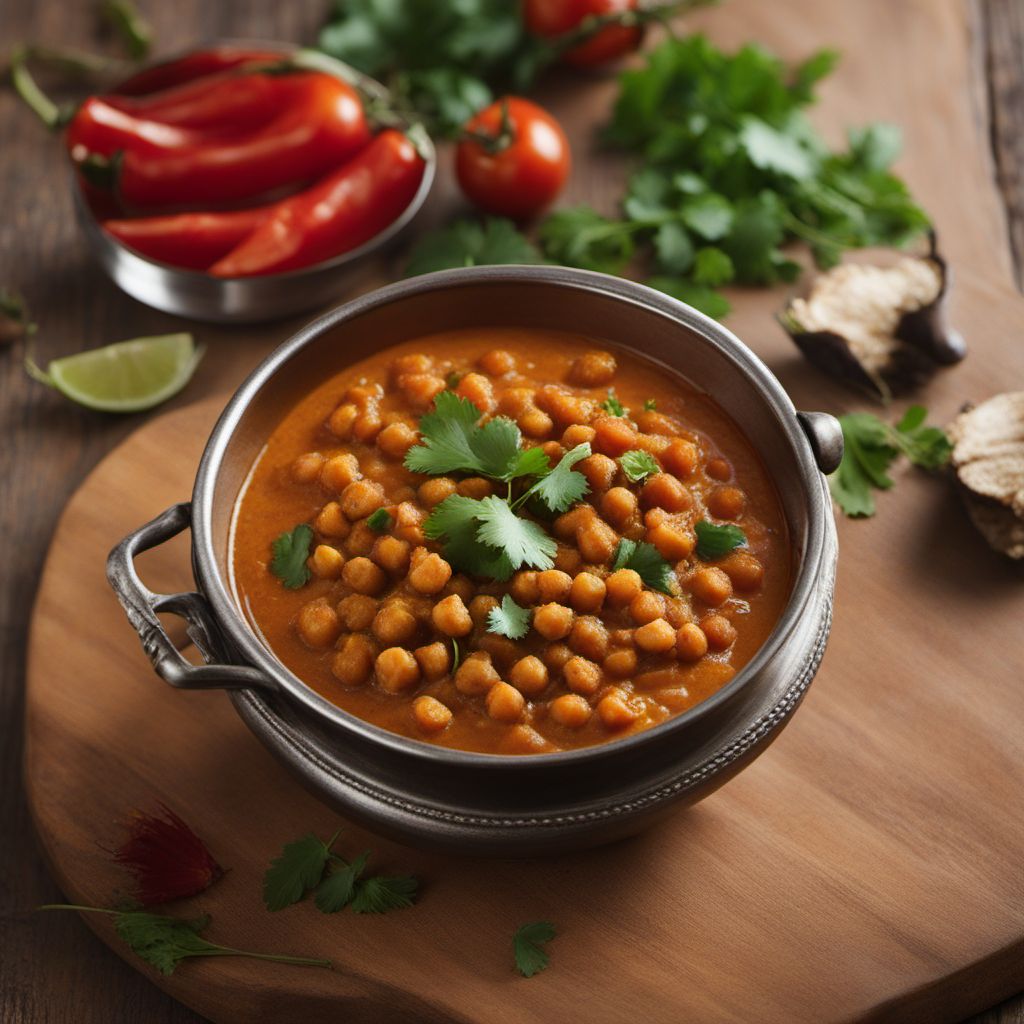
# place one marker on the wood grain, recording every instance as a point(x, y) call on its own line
point(914, 59)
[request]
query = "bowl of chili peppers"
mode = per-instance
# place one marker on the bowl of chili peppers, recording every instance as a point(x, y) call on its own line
point(244, 181)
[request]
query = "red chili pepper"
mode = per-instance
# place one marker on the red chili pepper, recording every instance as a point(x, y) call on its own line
point(192, 240)
point(99, 129)
point(334, 216)
point(192, 66)
point(319, 124)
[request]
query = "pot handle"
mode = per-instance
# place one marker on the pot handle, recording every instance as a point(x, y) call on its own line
point(141, 605)
point(825, 436)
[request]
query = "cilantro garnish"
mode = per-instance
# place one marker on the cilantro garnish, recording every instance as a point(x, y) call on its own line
point(715, 541)
point(612, 404)
point(291, 549)
point(338, 888)
point(638, 465)
point(380, 521)
point(560, 489)
point(467, 243)
point(645, 560)
point(298, 869)
point(650, 404)
point(530, 958)
point(379, 894)
point(870, 448)
point(509, 619)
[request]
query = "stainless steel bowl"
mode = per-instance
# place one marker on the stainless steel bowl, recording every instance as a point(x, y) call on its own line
point(199, 296)
point(482, 803)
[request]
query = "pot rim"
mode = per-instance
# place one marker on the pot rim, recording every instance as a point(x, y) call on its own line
point(230, 617)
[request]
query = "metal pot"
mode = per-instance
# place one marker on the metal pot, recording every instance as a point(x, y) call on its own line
point(481, 803)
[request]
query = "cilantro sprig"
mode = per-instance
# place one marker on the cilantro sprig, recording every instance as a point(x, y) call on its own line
point(509, 619)
point(380, 521)
point(716, 541)
point(645, 560)
point(290, 551)
point(613, 406)
point(871, 446)
point(638, 465)
point(527, 947)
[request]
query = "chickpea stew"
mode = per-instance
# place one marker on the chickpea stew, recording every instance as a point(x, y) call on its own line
point(584, 546)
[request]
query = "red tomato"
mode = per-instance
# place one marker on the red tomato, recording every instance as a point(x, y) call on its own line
point(555, 17)
point(523, 177)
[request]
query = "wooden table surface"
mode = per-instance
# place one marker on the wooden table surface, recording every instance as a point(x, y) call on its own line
point(51, 967)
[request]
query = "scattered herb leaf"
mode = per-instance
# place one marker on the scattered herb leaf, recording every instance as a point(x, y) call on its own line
point(290, 550)
point(612, 405)
point(638, 465)
point(379, 894)
point(715, 541)
point(650, 404)
point(527, 944)
point(560, 489)
point(456, 655)
point(468, 243)
point(298, 869)
point(454, 519)
point(509, 619)
point(645, 560)
point(523, 541)
point(380, 521)
point(336, 890)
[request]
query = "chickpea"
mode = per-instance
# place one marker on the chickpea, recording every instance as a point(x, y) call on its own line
point(592, 370)
point(589, 637)
point(353, 662)
point(391, 554)
point(477, 389)
point(710, 585)
point(396, 670)
point(420, 389)
point(331, 521)
point(430, 714)
point(691, 643)
point(718, 469)
point(497, 362)
point(356, 612)
point(460, 585)
point(306, 468)
point(504, 703)
point(480, 608)
point(515, 401)
point(570, 710)
point(414, 362)
point(622, 586)
point(613, 436)
point(475, 487)
point(504, 652)
point(655, 637)
point(340, 471)
point(408, 523)
point(665, 491)
point(318, 624)
point(361, 499)
point(429, 574)
point(620, 663)
point(535, 423)
point(582, 676)
point(451, 617)
point(552, 621)
point(599, 470)
point(361, 539)
point(476, 674)
point(655, 444)
point(744, 569)
point(432, 492)
point(342, 420)
point(566, 525)
point(567, 409)
point(567, 559)
point(529, 675)
point(364, 395)
point(553, 585)
point(677, 611)
point(655, 517)
point(575, 434)
point(524, 588)
point(673, 542)
point(597, 541)
point(650, 421)
point(553, 450)
point(614, 712)
point(555, 656)
point(587, 593)
point(396, 439)
point(726, 502)
point(680, 458)
point(368, 425)
point(646, 607)
point(364, 576)
point(433, 660)
point(721, 633)
point(394, 624)
point(618, 506)
point(327, 562)
point(621, 637)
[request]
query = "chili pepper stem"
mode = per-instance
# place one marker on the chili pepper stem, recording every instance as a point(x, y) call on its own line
point(77, 906)
point(27, 88)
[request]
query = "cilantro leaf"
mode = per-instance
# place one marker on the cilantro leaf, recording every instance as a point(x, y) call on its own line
point(523, 541)
point(379, 894)
point(580, 237)
point(650, 404)
point(496, 445)
point(290, 551)
point(560, 489)
point(709, 214)
point(713, 267)
point(527, 941)
point(645, 560)
point(455, 520)
point(707, 300)
point(298, 869)
point(926, 447)
point(337, 889)
point(612, 404)
point(530, 462)
point(380, 521)
point(509, 619)
point(715, 541)
point(467, 243)
point(638, 465)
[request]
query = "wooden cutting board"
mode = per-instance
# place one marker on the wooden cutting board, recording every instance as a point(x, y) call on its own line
point(868, 866)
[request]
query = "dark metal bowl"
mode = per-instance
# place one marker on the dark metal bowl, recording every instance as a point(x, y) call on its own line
point(483, 803)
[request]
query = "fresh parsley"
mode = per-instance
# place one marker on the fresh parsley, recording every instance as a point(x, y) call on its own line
point(163, 942)
point(509, 619)
point(290, 551)
point(612, 405)
point(715, 541)
point(298, 869)
point(527, 943)
point(638, 465)
point(380, 521)
point(870, 448)
point(645, 560)
point(470, 243)
point(379, 894)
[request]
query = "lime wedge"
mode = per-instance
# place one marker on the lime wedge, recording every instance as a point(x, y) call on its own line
point(129, 376)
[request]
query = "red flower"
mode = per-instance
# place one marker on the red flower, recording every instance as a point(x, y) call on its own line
point(169, 861)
